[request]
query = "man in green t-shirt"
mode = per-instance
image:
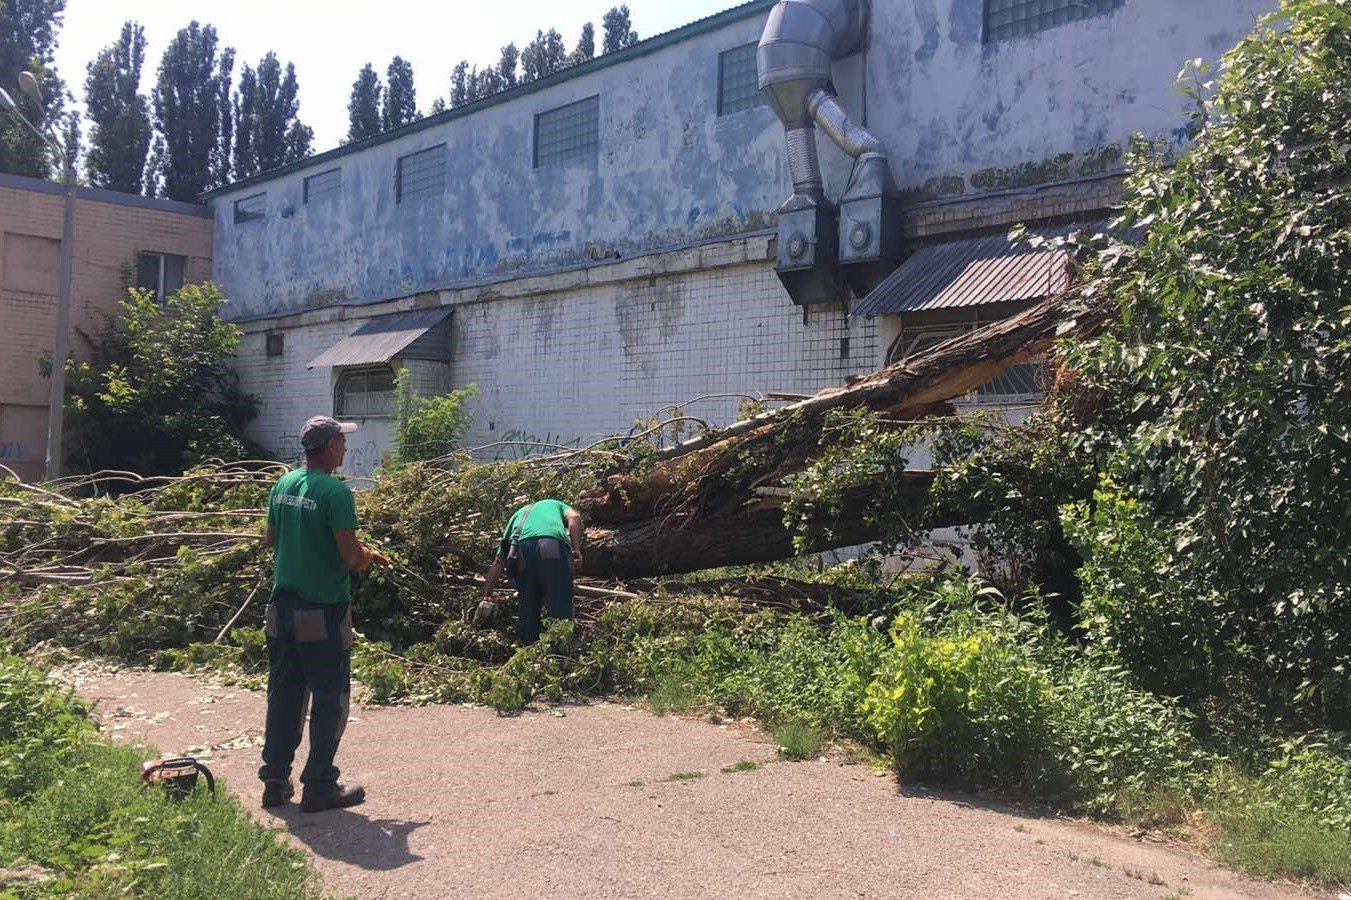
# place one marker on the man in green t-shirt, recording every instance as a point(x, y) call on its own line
point(548, 538)
point(311, 526)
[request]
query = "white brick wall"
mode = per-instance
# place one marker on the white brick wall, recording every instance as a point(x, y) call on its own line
point(574, 365)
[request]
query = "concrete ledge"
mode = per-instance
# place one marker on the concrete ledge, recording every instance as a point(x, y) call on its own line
point(748, 249)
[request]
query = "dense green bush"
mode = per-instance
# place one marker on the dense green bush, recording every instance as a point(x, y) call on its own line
point(158, 396)
point(1226, 362)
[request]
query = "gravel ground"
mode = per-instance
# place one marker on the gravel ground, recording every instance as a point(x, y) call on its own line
point(579, 801)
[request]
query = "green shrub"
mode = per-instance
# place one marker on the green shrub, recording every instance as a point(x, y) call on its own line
point(973, 708)
point(40, 729)
point(428, 427)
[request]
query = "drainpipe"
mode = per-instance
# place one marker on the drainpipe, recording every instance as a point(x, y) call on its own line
point(799, 43)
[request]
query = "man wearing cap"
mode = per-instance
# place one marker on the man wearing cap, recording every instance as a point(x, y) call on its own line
point(545, 541)
point(311, 526)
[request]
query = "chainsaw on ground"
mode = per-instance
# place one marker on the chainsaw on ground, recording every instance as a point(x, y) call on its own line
point(177, 776)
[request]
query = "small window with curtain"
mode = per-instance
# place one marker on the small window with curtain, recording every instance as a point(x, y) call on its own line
point(160, 273)
point(1006, 19)
point(421, 175)
point(568, 133)
point(250, 209)
point(738, 80)
point(364, 393)
point(324, 186)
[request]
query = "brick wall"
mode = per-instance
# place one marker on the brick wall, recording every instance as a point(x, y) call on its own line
point(568, 366)
point(109, 231)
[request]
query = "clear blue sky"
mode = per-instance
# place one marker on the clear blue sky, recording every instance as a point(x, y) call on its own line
point(330, 41)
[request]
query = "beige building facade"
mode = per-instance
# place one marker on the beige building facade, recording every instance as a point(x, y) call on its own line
point(121, 240)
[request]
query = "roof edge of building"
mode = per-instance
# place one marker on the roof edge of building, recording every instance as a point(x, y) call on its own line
point(102, 195)
point(636, 51)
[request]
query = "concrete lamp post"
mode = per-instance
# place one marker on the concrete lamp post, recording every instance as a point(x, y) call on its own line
point(57, 405)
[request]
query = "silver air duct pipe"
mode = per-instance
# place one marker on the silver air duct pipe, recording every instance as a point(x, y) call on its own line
point(800, 41)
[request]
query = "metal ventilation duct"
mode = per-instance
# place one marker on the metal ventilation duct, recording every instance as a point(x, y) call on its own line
point(819, 244)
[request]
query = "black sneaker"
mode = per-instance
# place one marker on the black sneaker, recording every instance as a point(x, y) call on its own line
point(275, 793)
point(335, 797)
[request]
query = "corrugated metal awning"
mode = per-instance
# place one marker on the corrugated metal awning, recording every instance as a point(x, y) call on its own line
point(380, 339)
point(973, 271)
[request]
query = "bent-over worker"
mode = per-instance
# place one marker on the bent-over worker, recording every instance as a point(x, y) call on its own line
point(548, 543)
point(311, 525)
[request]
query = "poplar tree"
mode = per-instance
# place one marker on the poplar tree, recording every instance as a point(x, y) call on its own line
point(187, 101)
point(119, 115)
point(586, 46)
point(400, 97)
point(28, 39)
point(363, 109)
point(543, 56)
point(619, 31)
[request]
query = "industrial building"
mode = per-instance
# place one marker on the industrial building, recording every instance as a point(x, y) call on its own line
point(768, 200)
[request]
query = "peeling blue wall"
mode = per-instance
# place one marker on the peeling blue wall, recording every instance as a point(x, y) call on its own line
point(958, 116)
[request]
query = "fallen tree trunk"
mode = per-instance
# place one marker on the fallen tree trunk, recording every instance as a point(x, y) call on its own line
point(701, 506)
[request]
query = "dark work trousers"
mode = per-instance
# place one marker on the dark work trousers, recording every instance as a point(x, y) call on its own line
point(545, 583)
point(309, 650)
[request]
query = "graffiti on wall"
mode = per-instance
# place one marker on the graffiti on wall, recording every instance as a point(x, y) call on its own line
point(13, 450)
point(519, 443)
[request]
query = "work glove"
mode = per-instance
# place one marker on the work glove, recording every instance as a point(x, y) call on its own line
point(485, 616)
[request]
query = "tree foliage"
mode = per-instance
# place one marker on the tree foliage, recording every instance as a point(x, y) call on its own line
point(268, 131)
point(28, 39)
point(618, 27)
point(192, 112)
point(363, 108)
point(157, 395)
point(400, 107)
point(1220, 524)
point(428, 427)
point(119, 138)
point(506, 66)
point(586, 46)
point(543, 56)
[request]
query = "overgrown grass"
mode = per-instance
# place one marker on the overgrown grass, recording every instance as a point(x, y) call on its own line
point(75, 813)
point(799, 740)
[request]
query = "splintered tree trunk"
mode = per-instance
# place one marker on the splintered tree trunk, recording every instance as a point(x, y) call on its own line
point(704, 503)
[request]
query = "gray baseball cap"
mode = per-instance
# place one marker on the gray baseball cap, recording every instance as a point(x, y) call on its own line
point(319, 430)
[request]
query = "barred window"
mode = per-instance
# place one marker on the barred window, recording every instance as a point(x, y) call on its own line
point(250, 209)
point(738, 80)
point(366, 393)
point(1006, 19)
point(567, 133)
point(324, 186)
point(1028, 381)
point(422, 174)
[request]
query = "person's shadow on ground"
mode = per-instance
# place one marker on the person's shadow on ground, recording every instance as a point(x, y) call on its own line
point(348, 836)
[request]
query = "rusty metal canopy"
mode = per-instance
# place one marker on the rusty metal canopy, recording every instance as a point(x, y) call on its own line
point(381, 339)
point(974, 271)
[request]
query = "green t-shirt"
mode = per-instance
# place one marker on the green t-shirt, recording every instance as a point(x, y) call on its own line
point(545, 521)
point(304, 509)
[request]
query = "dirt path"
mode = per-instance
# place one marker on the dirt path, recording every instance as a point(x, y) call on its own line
point(575, 801)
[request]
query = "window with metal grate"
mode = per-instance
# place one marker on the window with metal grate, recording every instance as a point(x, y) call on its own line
point(324, 186)
point(738, 80)
point(1006, 19)
point(364, 393)
point(421, 175)
point(568, 133)
point(251, 208)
